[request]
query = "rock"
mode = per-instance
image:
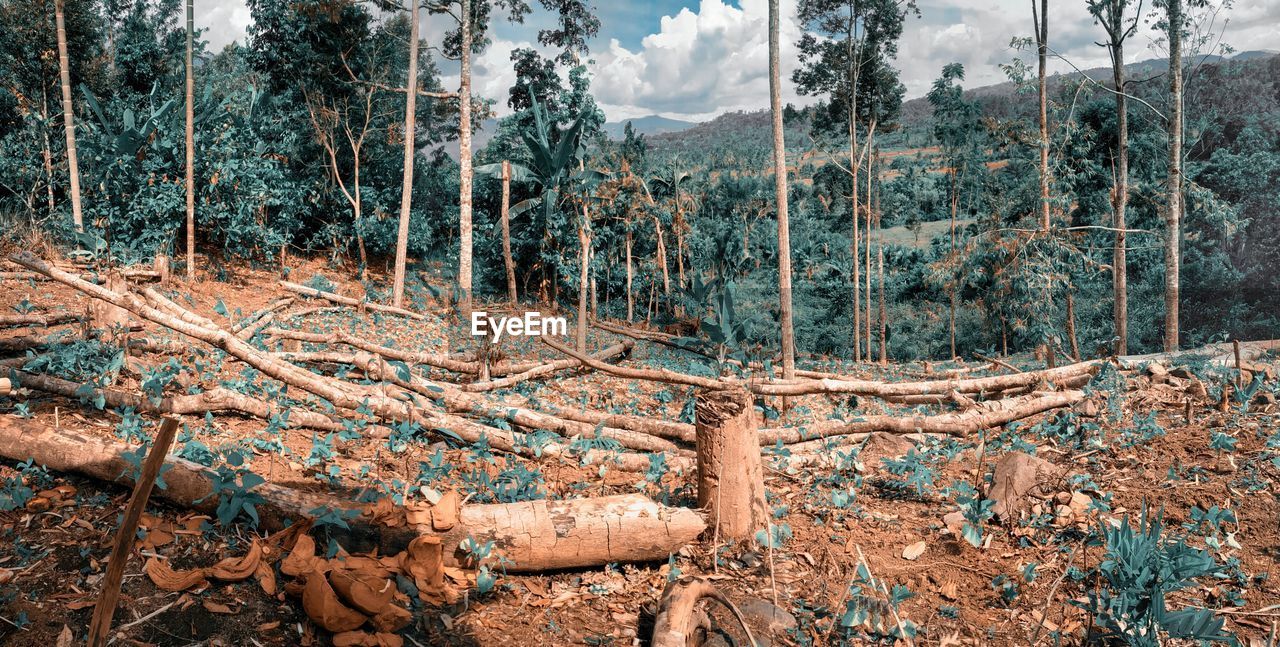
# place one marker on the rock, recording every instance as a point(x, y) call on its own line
point(954, 521)
point(1264, 398)
point(766, 616)
point(1079, 504)
point(1062, 498)
point(1196, 390)
point(1159, 374)
point(1017, 476)
point(880, 446)
point(1182, 372)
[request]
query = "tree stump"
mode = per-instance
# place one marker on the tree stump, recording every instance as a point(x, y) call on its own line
point(730, 478)
point(161, 267)
point(111, 319)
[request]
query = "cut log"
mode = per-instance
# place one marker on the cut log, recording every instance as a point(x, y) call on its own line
point(110, 319)
point(730, 478)
point(5, 386)
point(348, 301)
point(14, 321)
point(545, 369)
point(984, 415)
point(536, 535)
point(1222, 354)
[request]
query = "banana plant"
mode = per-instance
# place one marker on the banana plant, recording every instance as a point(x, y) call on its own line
point(127, 137)
point(551, 166)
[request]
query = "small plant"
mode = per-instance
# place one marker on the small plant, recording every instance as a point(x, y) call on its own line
point(1142, 567)
point(233, 484)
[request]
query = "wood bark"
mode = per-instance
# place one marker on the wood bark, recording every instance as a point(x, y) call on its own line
point(506, 233)
point(536, 535)
point(631, 299)
point(464, 160)
point(191, 148)
point(68, 114)
point(410, 145)
point(584, 268)
point(1173, 213)
point(730, 477)
point(780, 188)
point(100, 625)
point(546, 369)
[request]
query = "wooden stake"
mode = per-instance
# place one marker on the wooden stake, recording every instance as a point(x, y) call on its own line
point(1235, 346)
point(730, 477)
point(100, 626)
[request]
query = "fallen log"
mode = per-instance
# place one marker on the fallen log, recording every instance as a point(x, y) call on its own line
point(984, 415)
point(1221, 354)
point(349, 301)
point(353, 397)
point(545, 369)
point(45, 321)
point(6, 386)
point(537, 535)
point(218, 399)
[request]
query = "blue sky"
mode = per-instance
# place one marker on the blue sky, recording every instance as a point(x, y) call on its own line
point(696, 59)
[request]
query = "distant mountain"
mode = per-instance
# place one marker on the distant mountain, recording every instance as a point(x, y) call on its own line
point(650, 125)
point(999, 100)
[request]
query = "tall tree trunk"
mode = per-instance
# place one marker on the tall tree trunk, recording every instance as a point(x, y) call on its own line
point(191, 148)
point(955, 271)
point(884, 342)
point(68, 115)
point(1120, 200)
point(506, 232)
point(1173, 217)
point(631, 299)
point(584, 251)
point(662, 257)
point(853, 206)
point(871, 133)
point(410, 143)
point(1071, 323)
point(851, 77)
point(48, 148)
point(464, 164)
point(780, 184)
point(1042, 50)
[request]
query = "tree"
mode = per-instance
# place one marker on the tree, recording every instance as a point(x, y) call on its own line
point(780, 185)
point(1040, 19)
point(842, 38)
point(68, 115)
point(1174, 25)
point(464, 160)
point(1119, 27)
point(955, 123)
point(191, 148)
point(410, 140)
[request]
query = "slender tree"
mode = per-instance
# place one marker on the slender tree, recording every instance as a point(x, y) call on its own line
point(410, 143)
point(1041, 21)
point(68, 114)
point(191, 148)
point(1173, 214)
point(506, 233)
point(464, 162)
point(780, 185)
point(1112, 15)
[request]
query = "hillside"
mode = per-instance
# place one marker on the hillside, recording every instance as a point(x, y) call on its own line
point(649, 125)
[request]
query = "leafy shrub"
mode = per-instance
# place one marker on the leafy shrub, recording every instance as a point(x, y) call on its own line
point(1141, 569)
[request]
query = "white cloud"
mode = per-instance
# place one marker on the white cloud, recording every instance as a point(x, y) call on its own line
point(699, 64)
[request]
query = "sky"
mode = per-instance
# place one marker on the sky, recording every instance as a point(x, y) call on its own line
point(693, 60)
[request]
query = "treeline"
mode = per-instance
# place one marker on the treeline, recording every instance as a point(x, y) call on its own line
point(299, 142)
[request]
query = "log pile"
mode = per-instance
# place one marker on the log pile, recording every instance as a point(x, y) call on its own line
point(534, 534)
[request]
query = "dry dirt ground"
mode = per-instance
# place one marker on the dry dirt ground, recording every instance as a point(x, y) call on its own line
point(834, 526)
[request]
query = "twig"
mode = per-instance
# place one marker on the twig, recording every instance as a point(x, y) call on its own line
point(1053, 591)
point(150, 615)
